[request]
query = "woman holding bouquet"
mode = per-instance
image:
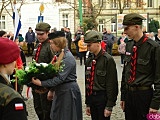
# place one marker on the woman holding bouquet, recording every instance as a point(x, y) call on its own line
point(66, 103)
point(12, 106)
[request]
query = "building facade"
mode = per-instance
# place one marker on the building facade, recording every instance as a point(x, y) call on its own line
point(64, 13)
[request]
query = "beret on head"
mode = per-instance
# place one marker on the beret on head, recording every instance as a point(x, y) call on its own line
point(56, 34)
point(9, 51)
point(92, 36)
point(41, 27)
point(133, 19)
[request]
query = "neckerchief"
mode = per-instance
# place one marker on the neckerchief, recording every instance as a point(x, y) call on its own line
point(134, 61)
point(38, 52)
point(90, 78)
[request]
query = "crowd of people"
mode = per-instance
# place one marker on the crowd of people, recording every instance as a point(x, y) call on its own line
point(140, 84)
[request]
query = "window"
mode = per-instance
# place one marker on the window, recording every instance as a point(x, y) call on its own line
point(113, 3)
point(65, 20)
point(139, 3)
point(127, 4)
point(113, 27)
point(2, 22)
point(101, 25)
point(102, 3)
point(150, 3)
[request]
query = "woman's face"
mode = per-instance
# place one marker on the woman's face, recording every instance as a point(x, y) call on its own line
point(54, 47)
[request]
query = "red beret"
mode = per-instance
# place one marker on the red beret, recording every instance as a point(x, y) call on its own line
point(9, 51)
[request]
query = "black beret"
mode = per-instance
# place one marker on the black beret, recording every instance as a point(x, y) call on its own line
point(56, 34)
point(133, 19)
point(92, 36)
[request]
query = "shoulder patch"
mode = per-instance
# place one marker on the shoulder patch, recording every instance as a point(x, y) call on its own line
point(19, 106)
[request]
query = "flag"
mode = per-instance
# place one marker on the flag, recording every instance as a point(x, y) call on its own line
point(19, 106)
point(17, 22)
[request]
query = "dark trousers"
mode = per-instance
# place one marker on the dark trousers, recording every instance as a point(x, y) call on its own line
point(137, 104)
point(109, 48)
point(97, 107)
point(77, 50)
point(42, 106)
point(122, 58)
point(82, 55)
point(30, 47)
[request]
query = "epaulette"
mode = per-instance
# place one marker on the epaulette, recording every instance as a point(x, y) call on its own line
point(152, 42)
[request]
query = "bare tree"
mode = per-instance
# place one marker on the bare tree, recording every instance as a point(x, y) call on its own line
point(8, 6)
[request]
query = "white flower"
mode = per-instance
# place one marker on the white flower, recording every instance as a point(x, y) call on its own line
point(44, 64)
point(27, 68)
point(37, 64)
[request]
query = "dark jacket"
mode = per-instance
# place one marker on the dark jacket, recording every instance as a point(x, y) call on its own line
point(46, 54)
point(30, 37)
point(147, 68)
point(9, 98)
point(105, 77)
point(157, 39)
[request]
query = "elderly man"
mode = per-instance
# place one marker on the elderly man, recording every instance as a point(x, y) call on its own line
point(101, 79)
point(141, 71)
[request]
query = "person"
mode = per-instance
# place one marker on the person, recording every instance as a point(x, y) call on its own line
point(157, 37)
point(20, 64)
point(100, 79)
point(141, 71)
point(122, 50)
point(43, 54)
point(67, 104)
point(82, 49)
point(109, 38)
point(3, 34)
point(76, 39)
point(12, 106)
point(122, 37)
point(30, 39)
point(68, 36)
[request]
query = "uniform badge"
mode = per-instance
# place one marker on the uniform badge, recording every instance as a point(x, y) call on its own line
point(19, 106)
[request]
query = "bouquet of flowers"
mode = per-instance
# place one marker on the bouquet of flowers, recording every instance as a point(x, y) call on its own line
point(42, 71)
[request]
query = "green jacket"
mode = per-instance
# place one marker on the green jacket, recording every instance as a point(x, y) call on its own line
point(9, 99)
point(105, 77)
point(147, 68)
point(46, 54)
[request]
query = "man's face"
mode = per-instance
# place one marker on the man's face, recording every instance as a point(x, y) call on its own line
point(42, 36)
point(92, 47)
point(130, 31)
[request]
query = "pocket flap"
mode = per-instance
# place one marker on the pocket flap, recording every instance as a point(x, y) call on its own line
point(101, 73)
point(142, 61)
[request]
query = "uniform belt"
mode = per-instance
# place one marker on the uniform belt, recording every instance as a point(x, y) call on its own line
point(99, 92)
point(137, 88)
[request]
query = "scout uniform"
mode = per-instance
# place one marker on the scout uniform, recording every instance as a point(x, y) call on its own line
point(138, 78)
point(67, 104)
point(43, 55)
point(12, 106)
point(100, 80)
